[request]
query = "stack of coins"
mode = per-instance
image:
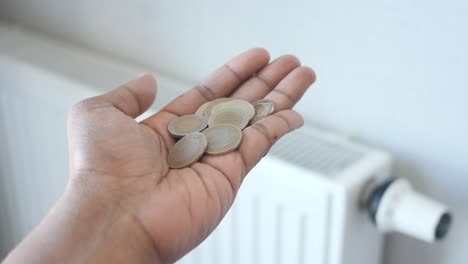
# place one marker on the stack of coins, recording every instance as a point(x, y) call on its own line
point(214, 129)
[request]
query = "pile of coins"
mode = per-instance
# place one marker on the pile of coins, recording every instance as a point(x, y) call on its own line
point(214, 129)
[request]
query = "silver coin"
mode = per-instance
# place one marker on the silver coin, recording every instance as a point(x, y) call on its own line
point(207, 112)
point(242, 105)
point(233, 116)
point(184, 125)
point(222, 139)
point(263, 108)
point(201, 110)
point(187, 150)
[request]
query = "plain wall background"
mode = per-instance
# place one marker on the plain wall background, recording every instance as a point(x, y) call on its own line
point(391, 73)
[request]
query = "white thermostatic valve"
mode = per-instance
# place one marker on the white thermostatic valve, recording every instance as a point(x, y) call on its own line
point(395, 206)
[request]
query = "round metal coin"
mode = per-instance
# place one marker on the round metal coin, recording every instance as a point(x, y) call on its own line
point(184, 125)
point(201, 110)
point(222, 139)
point(233, 116)
point(263, 108)
point(242, 105)
point(187, 150)
point(215, 102)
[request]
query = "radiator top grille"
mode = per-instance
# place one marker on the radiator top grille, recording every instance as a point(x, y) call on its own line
point(307, 149)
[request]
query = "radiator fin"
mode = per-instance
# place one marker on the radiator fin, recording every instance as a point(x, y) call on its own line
point(276, 223)
point(310, 151)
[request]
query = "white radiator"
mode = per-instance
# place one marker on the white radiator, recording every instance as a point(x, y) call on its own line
point(303, 203)
point(33, 161)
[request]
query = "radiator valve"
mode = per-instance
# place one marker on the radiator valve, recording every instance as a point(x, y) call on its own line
point(394, 205)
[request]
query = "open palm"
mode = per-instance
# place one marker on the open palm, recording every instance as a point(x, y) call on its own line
point(126, 161)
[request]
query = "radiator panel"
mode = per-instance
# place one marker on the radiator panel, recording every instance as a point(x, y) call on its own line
point(274, 220)
point(34, 162)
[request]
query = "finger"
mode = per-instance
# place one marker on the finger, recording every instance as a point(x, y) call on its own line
point(264, 133)
point(134, 97)
point(257, 86)
point(222, 82)
point(291, 88)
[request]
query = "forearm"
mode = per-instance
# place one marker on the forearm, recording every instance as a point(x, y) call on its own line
point(79, 229)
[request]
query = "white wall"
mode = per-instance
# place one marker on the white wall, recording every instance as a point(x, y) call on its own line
point(392, 73)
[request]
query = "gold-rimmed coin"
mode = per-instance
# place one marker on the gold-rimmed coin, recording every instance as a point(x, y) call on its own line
point(233, 116)
point(222, 139)
point(187, 150)
point(215, 102)
point(184, 125)
point(242, 105)
point(263, 108)
point(201, 110)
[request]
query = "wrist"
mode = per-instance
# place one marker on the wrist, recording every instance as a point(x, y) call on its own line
point(87, 225)
point(112, 234)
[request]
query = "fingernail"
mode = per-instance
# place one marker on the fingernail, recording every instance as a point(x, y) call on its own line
point(144, 79)
point(299, 122)
point(141, 75)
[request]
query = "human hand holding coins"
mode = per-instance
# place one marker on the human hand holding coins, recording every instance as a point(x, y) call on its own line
point(171, 178)
point(226, 118)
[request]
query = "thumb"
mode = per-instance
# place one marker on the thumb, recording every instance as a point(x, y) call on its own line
point(134, 97)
